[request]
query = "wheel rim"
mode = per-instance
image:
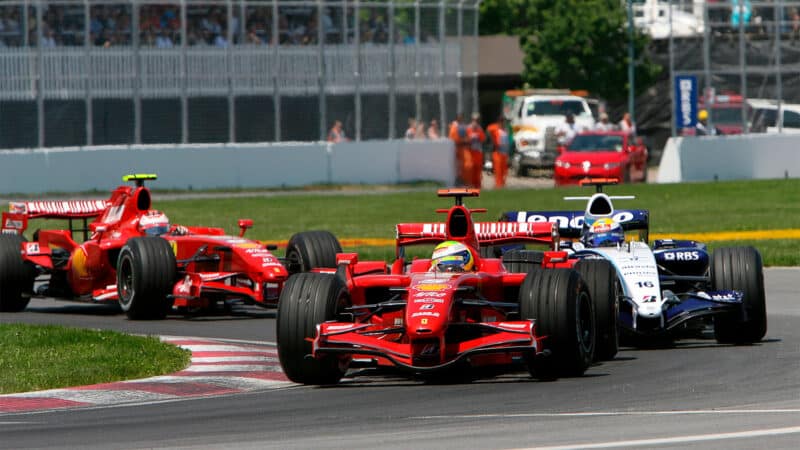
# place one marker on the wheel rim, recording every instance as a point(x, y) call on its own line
point(294, 262)
point(584, 325)
point(125, 282)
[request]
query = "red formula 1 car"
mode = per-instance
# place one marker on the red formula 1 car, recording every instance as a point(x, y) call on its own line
point(131, 255)
point(409, 315)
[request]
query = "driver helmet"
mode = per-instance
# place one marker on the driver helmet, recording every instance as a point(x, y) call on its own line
point(604, 232)
point(452, 256)
point(154, 223)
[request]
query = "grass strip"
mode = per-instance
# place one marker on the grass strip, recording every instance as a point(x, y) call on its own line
point(46, 357)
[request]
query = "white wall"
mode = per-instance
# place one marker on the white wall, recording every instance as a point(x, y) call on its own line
point(738, 157)
point(239, 166)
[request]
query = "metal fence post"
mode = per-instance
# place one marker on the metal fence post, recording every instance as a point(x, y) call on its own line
point(742, 68)
point(229, 63)
point(475, 40)
point(417, 32)
point(357, 75)
point(137, 81)
point(442, 68)
point(276, 65)
point(185, 77)
point(778, 75)
point(392, 75)
point(673, 123)
point(87, 81)
point(40, 75)
point(460, 72)
point(323, 104)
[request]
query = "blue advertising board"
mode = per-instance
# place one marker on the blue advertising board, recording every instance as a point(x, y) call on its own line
point(685, 101)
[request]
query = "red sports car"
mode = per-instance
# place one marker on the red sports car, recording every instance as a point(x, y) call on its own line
point(601, 154)
point(450, 312)
point(130, 254)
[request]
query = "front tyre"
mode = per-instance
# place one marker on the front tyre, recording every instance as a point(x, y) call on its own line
point(311, 249)
point(16, 275)
point(307, 300)
point(601, 279)
point(740, 269)
point(559, 302)
point(146, 274)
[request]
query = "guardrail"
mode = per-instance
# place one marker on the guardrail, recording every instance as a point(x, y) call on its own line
point(232, 166)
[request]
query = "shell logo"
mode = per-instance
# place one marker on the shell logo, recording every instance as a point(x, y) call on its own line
point(431, 287)
point(79, 263)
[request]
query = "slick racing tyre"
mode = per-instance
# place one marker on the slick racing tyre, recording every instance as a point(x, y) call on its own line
point(16, 275)
point(307, 300)
point(522, 261)
point(601, 278)
point(310, 250)
point(740, 269)
point(146, 274)
point(559, 301)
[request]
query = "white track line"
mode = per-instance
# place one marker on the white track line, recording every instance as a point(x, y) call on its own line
point(615, 413)
point(674, 440)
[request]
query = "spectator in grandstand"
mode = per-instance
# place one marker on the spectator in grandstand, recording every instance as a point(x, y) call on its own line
point(411, 131)
point(433, 130)
point(221, 39)
point(48, 38)
point(501, 147)
point(163, 40)
point(603, 124)
point(420, 132)
point(336, 133)
point(476, 139)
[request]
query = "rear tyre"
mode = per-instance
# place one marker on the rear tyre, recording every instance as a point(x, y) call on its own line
point(740, 269)
point(16, 275)
point(307, 300)
point(522, 261)
point(146, 274)
point(558, 300)
point(601, 278)
point(311, 249)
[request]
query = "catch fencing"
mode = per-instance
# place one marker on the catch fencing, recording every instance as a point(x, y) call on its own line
point(100, 72)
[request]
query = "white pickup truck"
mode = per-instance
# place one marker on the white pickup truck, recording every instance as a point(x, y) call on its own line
point(535, 120)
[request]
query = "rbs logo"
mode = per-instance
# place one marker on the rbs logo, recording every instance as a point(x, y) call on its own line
point(682, 256)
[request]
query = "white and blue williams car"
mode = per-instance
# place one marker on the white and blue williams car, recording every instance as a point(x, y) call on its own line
point(666, 289)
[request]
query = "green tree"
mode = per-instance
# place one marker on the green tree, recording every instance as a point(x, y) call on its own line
point(577, 44)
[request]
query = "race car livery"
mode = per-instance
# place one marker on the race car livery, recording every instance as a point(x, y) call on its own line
point(671, 287)
point(130, 254)
point(414, 316)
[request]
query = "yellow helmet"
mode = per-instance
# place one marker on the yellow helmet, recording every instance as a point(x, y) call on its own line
point(702, 114)
point(452, 256)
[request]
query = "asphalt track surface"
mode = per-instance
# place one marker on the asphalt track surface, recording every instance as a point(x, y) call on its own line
point(695, 395)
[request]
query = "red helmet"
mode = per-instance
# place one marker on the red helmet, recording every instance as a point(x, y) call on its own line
point(154, 223)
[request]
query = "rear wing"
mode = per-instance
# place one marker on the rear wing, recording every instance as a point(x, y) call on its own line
point(488, 233)
point(15, 221)
point(570, 223)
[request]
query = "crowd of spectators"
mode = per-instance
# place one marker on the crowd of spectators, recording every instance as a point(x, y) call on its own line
point(206, 25)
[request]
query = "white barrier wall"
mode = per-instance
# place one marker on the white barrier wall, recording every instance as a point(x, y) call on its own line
point(240, 166)
point(739, 157)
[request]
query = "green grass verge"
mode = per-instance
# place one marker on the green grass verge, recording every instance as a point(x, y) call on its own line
point(46, 357)
point(674, 208)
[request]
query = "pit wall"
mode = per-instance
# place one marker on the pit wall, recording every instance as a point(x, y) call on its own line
point(739, 157)
point(227, 166)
